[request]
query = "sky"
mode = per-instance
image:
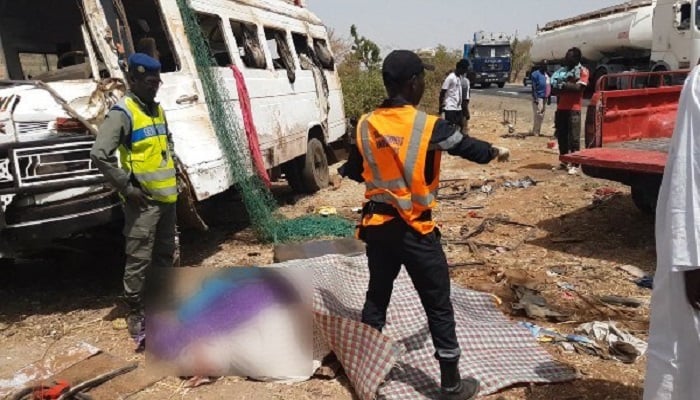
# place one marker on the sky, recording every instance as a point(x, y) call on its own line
point(417, 24)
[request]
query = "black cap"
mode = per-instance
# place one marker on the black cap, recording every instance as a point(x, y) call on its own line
point(402, 65)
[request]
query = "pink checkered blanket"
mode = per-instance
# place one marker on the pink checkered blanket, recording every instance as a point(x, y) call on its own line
point(399, 363)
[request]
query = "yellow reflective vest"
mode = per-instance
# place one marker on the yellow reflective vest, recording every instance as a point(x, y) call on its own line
point(145, 153)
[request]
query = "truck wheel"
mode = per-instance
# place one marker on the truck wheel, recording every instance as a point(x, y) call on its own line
point(292, 173)
point(501, 84)
point(315, 175)
point(645, 197)
point(485, 85)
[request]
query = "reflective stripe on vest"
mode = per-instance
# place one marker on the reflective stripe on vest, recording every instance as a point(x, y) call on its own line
point(146, 154)
point(394, 143)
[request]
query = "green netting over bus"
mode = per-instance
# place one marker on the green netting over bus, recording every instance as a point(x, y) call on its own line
point(258, 200)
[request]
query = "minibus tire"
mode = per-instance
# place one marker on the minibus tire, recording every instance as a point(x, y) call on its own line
point(315, 174)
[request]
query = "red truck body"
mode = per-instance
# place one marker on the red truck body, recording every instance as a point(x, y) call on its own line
point(629, 124)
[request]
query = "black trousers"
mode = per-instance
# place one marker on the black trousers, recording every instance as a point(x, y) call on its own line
point(455, 117)
point(394, 244)
point(567, 127)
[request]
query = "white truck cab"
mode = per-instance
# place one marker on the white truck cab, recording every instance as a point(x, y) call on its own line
point(676, 37)
point(61, 69)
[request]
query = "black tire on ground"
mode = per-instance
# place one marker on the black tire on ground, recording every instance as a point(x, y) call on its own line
point(645, 197)
point(315, 175)
point(292, 173)
point(485, 85)
point(501, 84)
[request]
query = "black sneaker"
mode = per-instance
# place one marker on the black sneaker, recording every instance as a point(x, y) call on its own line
point(468, 389)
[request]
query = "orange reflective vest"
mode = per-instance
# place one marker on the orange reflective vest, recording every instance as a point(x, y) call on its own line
point(394, 146)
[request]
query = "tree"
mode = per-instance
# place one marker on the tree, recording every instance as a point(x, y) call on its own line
point(340, 46)
point(445, 61)
point(366, 51)
point(521, 57)
point(361, 77)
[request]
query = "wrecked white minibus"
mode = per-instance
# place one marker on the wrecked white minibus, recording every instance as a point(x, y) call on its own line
point(61, 69)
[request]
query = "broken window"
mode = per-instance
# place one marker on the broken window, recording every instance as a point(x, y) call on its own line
point(43, 41)
point(144, 30)
point(279, 49)
point(324, 54)
point(277, 43)
point(210, 26)
point(248, 43)
point(301, 45)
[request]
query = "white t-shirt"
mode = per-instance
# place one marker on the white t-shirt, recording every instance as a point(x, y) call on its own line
point(453, 96)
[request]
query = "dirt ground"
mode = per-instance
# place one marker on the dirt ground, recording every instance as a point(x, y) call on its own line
point(569, 239)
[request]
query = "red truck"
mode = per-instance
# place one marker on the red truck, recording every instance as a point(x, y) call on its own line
point(629, 124)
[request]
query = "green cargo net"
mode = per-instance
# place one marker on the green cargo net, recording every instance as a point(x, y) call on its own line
point(268, 223)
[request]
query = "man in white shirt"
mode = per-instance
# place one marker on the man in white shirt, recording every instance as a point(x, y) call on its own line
point(673, 363)
point(451, 95)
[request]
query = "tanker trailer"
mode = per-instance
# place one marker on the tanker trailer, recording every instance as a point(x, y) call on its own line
point(638, 35)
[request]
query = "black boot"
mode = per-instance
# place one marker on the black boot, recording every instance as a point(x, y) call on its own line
point(452, 387)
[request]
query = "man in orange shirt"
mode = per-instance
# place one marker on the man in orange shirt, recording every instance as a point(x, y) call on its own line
point(568, 85)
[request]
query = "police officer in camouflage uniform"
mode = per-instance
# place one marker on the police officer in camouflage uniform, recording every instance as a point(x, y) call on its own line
point(146, 180)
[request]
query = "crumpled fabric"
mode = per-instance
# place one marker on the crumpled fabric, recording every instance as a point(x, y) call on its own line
point(622, 345)
point(674, 337)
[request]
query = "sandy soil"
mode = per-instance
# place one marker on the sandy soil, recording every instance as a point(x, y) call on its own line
point(74, 297)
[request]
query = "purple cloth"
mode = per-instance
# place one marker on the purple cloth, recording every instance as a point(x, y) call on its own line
point(167, 337)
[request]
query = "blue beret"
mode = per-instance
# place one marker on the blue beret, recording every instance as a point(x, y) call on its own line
point(140, 62)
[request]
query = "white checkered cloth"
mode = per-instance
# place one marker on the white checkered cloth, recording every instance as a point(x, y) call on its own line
point(399, 364)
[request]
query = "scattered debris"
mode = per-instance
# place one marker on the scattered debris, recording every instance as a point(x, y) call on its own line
point(645, 282)
point(119, 324)
point(488, 189)
point(632, 270)
point(603, 195)
point(196, 381)
point(622, 346)
point(566, 240)
point(468, 264)
point(520, 183)
point(330, 368)
point(48, 366)
point(566, 286)
point(510, 119)
point(569, 343)
point(514, 136)
point(534, 305)
point(487, 222)
point(327, 211)
point(621, 301)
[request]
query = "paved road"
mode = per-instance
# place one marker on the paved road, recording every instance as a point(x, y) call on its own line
point(513, 91)
point(510, 90)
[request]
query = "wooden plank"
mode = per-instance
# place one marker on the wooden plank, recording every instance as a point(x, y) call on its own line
point(119, 387)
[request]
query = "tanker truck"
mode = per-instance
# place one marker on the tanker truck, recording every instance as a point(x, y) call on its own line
point(638, 35)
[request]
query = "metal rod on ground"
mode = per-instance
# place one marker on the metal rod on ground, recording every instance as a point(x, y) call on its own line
point(97, 381)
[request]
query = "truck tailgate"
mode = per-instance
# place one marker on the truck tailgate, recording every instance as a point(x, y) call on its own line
point(620, 158)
